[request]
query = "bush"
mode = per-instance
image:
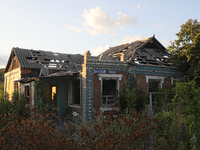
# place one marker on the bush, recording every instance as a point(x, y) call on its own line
point(37, 132)
point(132, 97)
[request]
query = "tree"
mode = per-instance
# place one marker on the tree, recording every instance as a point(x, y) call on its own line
point(186, 49)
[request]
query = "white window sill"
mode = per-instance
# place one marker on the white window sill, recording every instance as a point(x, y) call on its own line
point(75, 105)
point(109, 109)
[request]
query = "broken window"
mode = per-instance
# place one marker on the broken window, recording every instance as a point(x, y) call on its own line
point(154, 82)
point(109, 88)
point(154, 85)
point(74, 91)
point(27, 93)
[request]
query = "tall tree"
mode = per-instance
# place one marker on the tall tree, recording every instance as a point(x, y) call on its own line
point(186, 49)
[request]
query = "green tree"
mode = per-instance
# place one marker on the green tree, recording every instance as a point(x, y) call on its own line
point(186, 49)
point(189, 94)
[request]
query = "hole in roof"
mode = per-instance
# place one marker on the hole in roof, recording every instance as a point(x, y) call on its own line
point(35, 53)
point(165, 56)
point(55, 54)
point(46, 59)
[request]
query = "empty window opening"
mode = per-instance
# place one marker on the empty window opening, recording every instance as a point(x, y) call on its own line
point(109, 89)
point(27, 92)
point(154, 85)
point(74, 91)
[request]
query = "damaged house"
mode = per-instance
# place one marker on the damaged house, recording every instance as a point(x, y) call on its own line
point(82, 82)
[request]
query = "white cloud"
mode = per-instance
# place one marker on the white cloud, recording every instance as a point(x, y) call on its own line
point(3, 60)
point(156, 26)
point(98, 22)
point(129, 39)
point(165, 41)
point(75, 29)
point(138, 7)
point(102, 22)
point(99, 50)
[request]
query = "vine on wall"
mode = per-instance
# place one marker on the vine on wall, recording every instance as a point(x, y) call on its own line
point(40, 92)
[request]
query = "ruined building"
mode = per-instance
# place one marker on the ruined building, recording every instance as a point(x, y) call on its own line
point(84, 82)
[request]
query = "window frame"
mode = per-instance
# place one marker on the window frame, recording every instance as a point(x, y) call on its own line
point(70, 92)
point(160, 79)
point(102, 77)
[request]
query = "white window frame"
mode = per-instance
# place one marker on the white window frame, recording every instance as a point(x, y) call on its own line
point(160, 78)
point(176, 79)
point(102, 77)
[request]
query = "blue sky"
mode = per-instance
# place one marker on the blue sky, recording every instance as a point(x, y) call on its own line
point(74, 26)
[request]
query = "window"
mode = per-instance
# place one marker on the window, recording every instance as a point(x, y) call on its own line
point(27, 92)
point(174, 80)
point(54, 95)
point(154, 85)
point(109, 88)
point(154, 82)
point(74, 91)
point(16, 87)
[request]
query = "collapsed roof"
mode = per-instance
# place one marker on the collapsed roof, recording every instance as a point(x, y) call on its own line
point(45, 60)
point(149, 51)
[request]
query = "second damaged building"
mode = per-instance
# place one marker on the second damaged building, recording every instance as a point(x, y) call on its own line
point(83, 83)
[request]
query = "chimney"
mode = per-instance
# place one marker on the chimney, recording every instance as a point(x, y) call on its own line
point(100, 58)
point(122, 57)
point(87, 55)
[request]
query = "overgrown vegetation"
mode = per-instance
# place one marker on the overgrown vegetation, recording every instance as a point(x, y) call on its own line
point(1, 79)
point(132, 97)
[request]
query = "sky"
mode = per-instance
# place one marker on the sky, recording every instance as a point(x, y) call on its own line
point(74, 26)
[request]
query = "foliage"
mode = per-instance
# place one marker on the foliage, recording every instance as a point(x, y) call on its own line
point(172, 130)
point(40, 92)
point(132, 97)
point(18, 106)
point(162, 101)
point(186, 49)
point(37, 132)
point(189, 94)
point(1, 75)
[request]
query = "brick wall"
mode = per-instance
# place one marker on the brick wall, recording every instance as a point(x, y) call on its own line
point(141, 82)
